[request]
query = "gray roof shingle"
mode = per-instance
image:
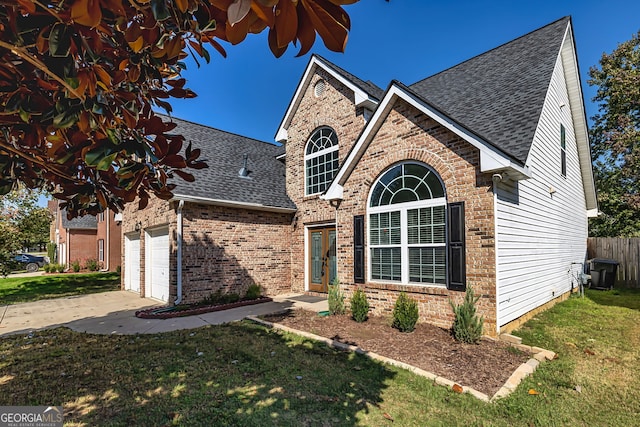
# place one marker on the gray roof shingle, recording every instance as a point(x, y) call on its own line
point(223, 152)
point(86, 222)
point(499, 94)
point(369, 87)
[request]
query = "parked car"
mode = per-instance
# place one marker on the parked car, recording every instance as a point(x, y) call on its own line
point(31, 263)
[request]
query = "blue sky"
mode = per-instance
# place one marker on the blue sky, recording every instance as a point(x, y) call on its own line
point(249, 91)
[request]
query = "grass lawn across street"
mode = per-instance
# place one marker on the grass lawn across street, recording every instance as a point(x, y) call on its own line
point(25, 289)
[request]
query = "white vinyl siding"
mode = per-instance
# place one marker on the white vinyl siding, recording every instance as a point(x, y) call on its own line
point(541, 223)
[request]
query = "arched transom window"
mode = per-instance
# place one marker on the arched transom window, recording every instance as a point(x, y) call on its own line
point(321, 160)
point(407, 226)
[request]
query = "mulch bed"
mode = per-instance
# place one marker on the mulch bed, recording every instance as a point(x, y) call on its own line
point(160, 313)
point(484, 367)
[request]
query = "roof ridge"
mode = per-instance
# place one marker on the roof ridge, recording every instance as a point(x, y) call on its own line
point(567, 17)
point(350, 76)
point(216, 129)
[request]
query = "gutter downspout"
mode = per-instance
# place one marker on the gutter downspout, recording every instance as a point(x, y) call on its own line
point(178, 299)
point(495, 253)
point(106, 250)
point(67, 254)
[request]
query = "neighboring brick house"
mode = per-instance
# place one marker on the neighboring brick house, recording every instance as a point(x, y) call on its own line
point(87, 237)
point(109, 240)
point(477, 176)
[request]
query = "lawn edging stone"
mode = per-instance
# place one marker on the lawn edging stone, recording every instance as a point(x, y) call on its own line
point(523, 371)
point(150, 313)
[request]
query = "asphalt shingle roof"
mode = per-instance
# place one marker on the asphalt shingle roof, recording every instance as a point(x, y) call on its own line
point(86, 222)
point(368, 86)
point(223, 152)
point(499, 94)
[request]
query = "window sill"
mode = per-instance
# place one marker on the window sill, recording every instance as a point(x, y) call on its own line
point(409, 288)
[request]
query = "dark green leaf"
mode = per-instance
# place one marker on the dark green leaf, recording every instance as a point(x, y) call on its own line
point(106, 162)
point(160, 10)
point(60, 40)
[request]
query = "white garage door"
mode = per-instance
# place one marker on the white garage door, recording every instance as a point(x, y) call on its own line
point(132, 262)
point(157, 264)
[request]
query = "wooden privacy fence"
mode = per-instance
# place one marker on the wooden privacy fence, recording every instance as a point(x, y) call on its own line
point(624, 250)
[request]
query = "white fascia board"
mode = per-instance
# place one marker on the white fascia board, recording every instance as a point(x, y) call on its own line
point(593, 213)
point(282, 135)
point(231, 204)
point(578, 113)
point(333, 193)
point(490, 158)
point(362, 98)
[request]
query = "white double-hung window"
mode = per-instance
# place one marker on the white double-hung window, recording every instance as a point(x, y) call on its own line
point(407, 226)
point(321, 160)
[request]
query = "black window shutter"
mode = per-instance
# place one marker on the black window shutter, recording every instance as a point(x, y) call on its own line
point(456, 248)
point(358, 249)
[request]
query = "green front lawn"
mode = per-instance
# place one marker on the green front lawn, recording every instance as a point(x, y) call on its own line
point(25, 289)
point(243, 374)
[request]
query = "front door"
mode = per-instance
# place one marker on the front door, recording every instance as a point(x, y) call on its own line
point(322, 258)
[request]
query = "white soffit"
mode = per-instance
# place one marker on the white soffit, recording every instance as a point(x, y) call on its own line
point(578, 113)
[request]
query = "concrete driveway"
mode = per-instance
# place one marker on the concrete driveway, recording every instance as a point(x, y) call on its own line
point(114, 313)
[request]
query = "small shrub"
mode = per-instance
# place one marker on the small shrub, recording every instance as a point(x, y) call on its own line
point(359, 306)
point(46, 268)
point(51, 251)
point(405, 313)
point(336, 298)
point(91, 265)
point(60, 268)
point(254, 292)
point(218, 298)
point(75, 266)
point(118, 269)
point(467, 326)
point(229, 298)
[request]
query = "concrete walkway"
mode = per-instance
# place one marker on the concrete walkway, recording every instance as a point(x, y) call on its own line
point(114, 313)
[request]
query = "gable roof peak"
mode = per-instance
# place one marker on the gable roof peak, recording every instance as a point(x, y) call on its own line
point(500, 93)
point(366, 94)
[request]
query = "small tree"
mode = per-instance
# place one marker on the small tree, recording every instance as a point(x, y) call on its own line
point(359, 306)
point(614, 138)
point(336, 298)
point(467, 326)
point(22, 224)
point(405, 313)
point(51, 251)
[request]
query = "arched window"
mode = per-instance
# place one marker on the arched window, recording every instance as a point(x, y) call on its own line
point(321, 160)
point(407, 226)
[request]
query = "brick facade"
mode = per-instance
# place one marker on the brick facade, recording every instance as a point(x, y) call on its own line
point(334, 108)
point(224, 248)
point(109, 231)
point(229, 249)
point(80, 244)
point(405, 134)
